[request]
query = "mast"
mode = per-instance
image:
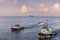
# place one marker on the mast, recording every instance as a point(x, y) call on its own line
point(46, 25)
point(46, 22)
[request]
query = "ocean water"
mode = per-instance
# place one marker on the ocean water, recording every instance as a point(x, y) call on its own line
point(29, 23)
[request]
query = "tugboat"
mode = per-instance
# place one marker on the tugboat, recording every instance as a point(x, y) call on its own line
point(46, 32)
point(31, 16)
point(16, 27)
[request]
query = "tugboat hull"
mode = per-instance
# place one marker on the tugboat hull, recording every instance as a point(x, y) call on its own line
point(16, 29)
point(46, 36)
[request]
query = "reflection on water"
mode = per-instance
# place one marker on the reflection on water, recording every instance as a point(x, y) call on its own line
point(15, 36)
point(44, 39)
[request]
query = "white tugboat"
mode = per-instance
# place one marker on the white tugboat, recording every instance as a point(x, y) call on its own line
point(46, 33)
point(16, 27)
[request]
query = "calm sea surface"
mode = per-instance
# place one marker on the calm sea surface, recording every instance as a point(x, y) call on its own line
point(29, 33)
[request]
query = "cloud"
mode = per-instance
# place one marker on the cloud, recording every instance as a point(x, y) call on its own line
point(24, 9)
point(42, 8)
point(10, 8)
point(55, 8)
point(34, 10)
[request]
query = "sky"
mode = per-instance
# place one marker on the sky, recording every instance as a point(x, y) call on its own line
point(29, 7)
